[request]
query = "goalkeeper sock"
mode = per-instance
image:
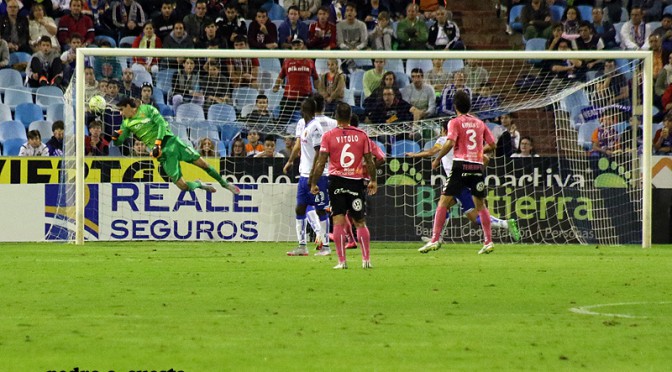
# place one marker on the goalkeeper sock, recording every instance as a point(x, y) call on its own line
point(212, 172)
point(313, 220)
point(487, 228)
point(193, 185)
point(301, 229)
point(439, 221)
point(339, 240)
point(364, 238)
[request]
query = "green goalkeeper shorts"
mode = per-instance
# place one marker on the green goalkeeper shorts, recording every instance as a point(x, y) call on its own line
point(173, 151)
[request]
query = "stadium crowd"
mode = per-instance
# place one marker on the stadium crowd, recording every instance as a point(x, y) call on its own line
point(39, 39)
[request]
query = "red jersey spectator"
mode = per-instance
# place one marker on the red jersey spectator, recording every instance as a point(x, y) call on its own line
point(75, 22)
point(298, 73)
point(322, 34)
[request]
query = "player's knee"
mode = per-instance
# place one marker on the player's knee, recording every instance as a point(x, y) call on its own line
point(359, 223)
point(300, 210)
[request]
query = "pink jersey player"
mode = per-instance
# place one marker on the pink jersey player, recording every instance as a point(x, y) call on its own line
point(346, 148)
point(469, 133)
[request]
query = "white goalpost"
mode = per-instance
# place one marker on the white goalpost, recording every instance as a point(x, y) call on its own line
point(554, 101)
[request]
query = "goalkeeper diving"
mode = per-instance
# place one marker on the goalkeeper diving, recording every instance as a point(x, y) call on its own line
point(150, 127)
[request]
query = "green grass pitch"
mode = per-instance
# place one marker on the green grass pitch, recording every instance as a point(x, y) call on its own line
point(246, 306)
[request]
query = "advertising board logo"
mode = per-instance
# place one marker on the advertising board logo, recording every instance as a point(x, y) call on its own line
point(59, 212)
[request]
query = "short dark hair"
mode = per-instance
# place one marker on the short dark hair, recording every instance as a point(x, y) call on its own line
point(240, 39)
point(309, 106)
point(58, 124)
point(293, 7)
point(95, 123)
point(45, 39)
point(261, 96)
point(354, 120)
point(462, 102)
point(417, 70)
point(76, 35)
point(33, 134)
point(343, 112)
point(586, 24)
point(319, 102)
point(270, 137)
point(127, 101)
point(262, 11)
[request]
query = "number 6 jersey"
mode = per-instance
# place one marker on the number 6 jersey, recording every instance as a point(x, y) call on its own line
point(346, 148)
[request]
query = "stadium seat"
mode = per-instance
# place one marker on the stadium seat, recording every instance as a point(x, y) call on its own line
point(12, 129)
point(321, 66)
point(586, 12)
point(165, 110)
point(244, 96)
point(537, 43)
point(222, 149)
point(557, 11)
point(228, 132)
point(622, 127)
point(514, 18)
point(111, 40)
point(27, 113)
point(247, 109)
point(586, 133)
point(114, 151)
point(267, 80)
point(142, 77)
point(654, 25)
point(277, 22)
point(401, 79)
point(222, 112)
point(395, 65)
point(45, 96)
point(179, 130)
point(276, 13)
point(19, 57)
point(357, 82)
point(203, 129)
point(274, 98)
point(126, 42)
point(349, 97)
point(363, 63)
point(382, 146)
point(667, 10)
point(189, 111)
point(578, 98)
point(16, 95)
point(56, 111)
point(617, 27)
point(9, 78)
point(400, 148)
point(270, 64)
point(452, 65)
point(423, 64)
point(12, 146)
point(159, 96)
point(42, 126)
point(164, 79)
point(5, 113)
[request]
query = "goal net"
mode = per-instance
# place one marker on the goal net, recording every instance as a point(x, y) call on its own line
point(586, 181)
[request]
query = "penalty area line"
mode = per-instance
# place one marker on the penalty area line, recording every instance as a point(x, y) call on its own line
point(588, 310)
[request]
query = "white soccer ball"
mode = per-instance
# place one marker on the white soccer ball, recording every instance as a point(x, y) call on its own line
point(97, 103)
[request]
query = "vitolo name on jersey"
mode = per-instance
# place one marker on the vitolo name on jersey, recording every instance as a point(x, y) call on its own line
point(351, 138)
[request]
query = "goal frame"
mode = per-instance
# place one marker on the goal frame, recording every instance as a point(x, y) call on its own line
point(647, 85)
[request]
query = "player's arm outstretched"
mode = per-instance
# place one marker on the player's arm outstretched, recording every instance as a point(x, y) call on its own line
point(425, 153)
point(120, 135)
point(162, 126)
point(444, 150)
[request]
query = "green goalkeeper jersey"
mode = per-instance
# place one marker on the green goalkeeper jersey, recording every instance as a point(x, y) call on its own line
point(147, 124)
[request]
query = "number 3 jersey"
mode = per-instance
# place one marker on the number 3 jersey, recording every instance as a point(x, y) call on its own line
point(346, 148)
point(468, 133)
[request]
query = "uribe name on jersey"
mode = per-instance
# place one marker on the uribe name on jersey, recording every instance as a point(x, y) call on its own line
point(463, 131)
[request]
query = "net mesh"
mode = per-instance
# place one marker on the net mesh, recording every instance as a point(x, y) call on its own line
point(566, 195)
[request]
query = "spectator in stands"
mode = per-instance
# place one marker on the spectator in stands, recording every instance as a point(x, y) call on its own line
point(571, 69)
point(381, 36)
point(261, 116)
point(337, 10)
point(509, 140)
point(128, 17)
point(269, 148)
point(69, 57)
point(55, 144)
point(322, 34)
point(75, 22)
point(4, 54)
point(389, 109)
point(14, 29)
point(614, 88)
point(210, 37)
point(604, 29)
point(185, 85)
point(370, 13)
point(147, 40)
point(420, 96)
point(147, 94)
point(605, 138)
point(614, 10)
point(588, 41)
point(459, 83)
point(106, 67)
point(299, 86)
point(536, 20)
point(412, 31)
point(331, 85)
point(59, 8)
point(652, 10)
point(41, 25)
point(177, 39)
point(112, 96)
point(526, 149)
point(635, 33)
point(231, 25)
point(474, 73)
point(351, 32)
point(206, 148)
point(238, 148)
point(195, 23)
point(307, 8)
point(253, 146)
point(388, 81)
point(215, 86)
point(127, 88)
point(444, 33)
point(665, 34)
point(437, 76)
point(290, 140)
point(656, 46)
point(292, 28)
point(34, 145)
point(139, 149)
point(372, 78)
point(570, 23)
point(262, 33)
point(662, 141)
point(663, 84)
point(94, 143)
point(164, 22)
point(243, 72)
point(102, 18)
point(91, 85)
point(486, 104)
point(46, 67)
point(556, 35)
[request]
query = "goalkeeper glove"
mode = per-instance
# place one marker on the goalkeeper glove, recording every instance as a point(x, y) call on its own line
point(117, 133)
point(156, 150)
